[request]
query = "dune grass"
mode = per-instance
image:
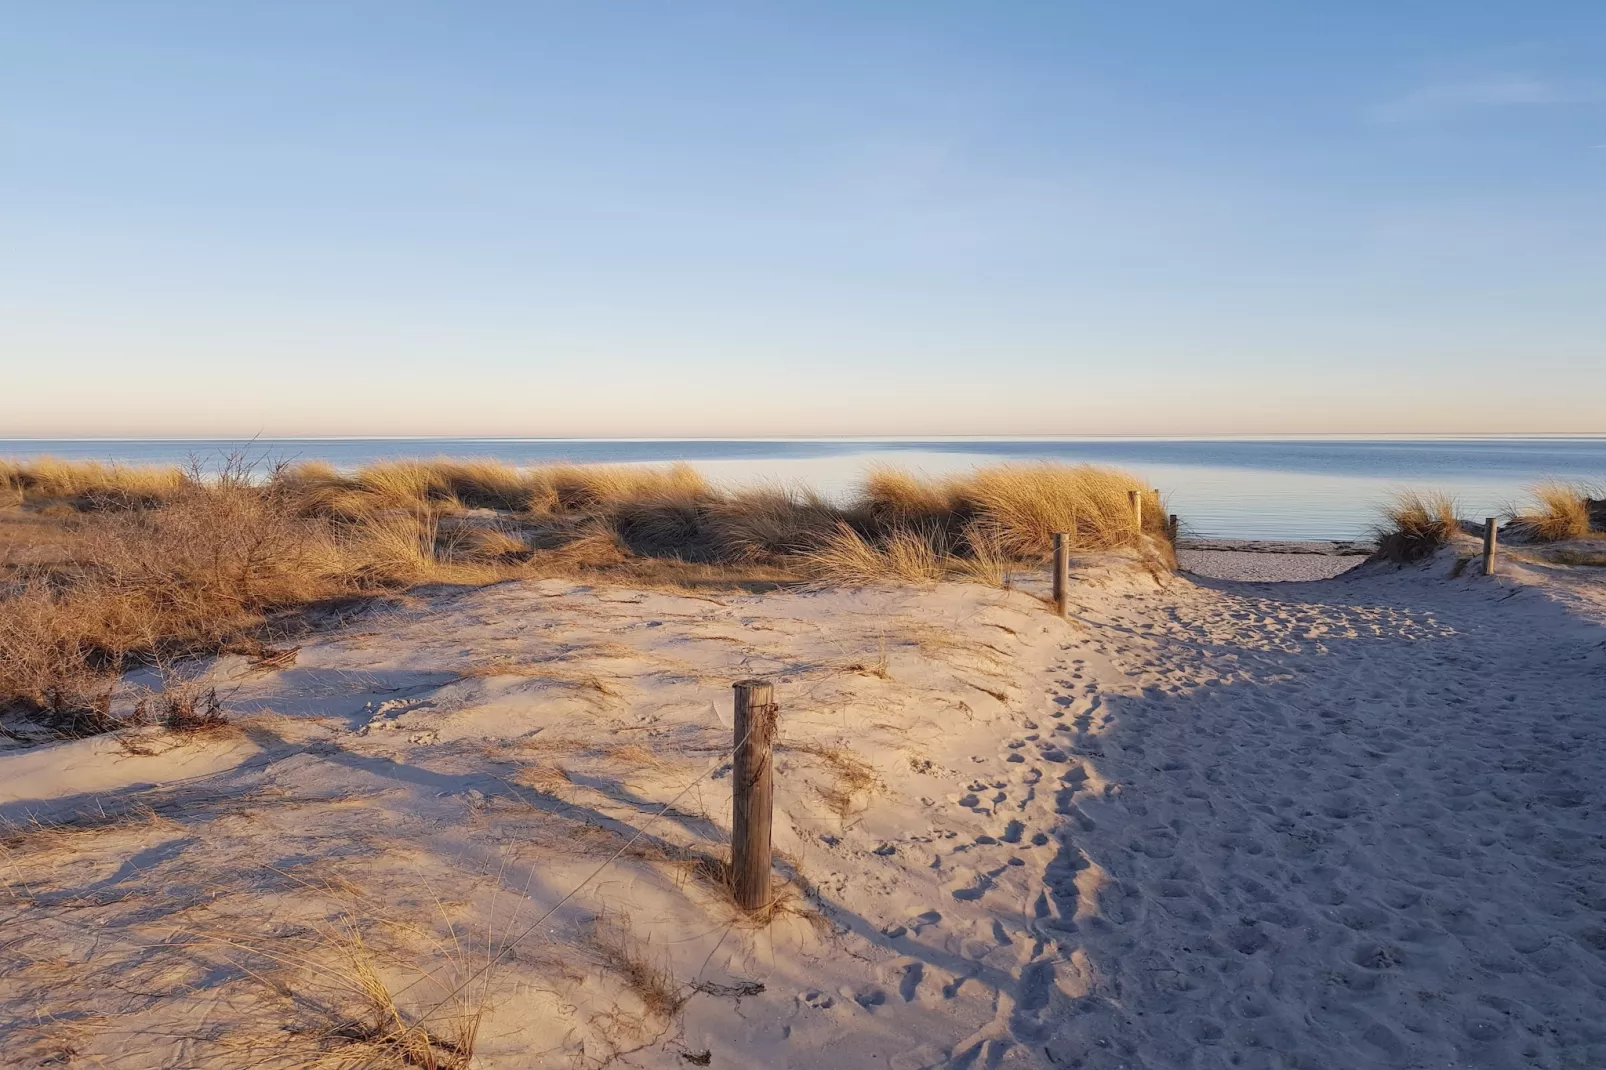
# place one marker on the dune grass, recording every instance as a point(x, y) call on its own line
point(88, 481)
point(1023, 504)
point(1414, 525)
point(163, 562)
point(1562, 512)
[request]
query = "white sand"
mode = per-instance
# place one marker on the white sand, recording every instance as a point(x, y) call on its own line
point(1352, 823)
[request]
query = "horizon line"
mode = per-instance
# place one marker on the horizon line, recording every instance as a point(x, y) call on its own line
point(1138, 436)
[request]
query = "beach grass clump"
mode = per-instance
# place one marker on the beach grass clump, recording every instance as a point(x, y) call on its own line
point(911, 529)
point(907, 554)
point(447, 485)
point(89, 484)
point(1026, 504)
point(772, 523)
point(1021, 505)
point(1562, 513)
point(1415, 525)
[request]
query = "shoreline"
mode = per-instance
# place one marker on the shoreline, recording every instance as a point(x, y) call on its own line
point(1270, 561)
point(1321, 547)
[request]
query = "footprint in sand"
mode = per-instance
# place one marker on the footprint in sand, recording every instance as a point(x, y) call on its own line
point(909, 984)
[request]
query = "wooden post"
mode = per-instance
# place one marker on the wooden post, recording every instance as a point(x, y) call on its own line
point(1137, 508)
point(752, 793)
point(1171, 527)
point(1062, 571)
point(1489, 545)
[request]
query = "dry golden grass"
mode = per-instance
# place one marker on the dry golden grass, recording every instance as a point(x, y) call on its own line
point(848, 557)
point(1578, 556)
point(50, 477)
point(628, 957)
point(1562, 514)
point(556, 672)
point(498, 544)
point(341, 998)
point(42, 839)
point(197, 572)
point(375, 1032)
point(1416, 524)
point(550, 780)
point(162, 562)
point(1020, 505)
point(772, 522)
point(852, 778)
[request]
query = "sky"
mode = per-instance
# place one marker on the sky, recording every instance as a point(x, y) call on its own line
point(703, 219)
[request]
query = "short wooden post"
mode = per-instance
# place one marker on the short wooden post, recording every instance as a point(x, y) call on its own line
point(1062, 571)
point(1137, 508)
point(1171, 527)
point(752, 793)
point(1489, 545)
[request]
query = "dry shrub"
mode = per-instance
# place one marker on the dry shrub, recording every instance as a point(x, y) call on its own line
point(1415, 525)
point(187, 703)
point(202, 569)
point(45, 651)
point(1563, 514)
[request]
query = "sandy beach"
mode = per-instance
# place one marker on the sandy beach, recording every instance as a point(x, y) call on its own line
point(802, 537)
point(1203, 823)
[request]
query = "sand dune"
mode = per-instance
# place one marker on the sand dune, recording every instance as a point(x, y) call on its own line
point(1350, 823)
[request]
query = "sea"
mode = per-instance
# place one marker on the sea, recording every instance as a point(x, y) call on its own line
point(1221, 488)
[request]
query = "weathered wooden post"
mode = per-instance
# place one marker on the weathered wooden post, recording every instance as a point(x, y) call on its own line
point(1062, 571)
point(1137, 508)
point(752, 793)
point(1489, 545)
point(1171, 527)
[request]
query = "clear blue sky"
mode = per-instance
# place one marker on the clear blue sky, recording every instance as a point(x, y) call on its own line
point(816, 218)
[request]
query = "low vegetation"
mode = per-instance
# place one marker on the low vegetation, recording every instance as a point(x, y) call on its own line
point(116, 565)
point(1561, 512)
point(1415, 525)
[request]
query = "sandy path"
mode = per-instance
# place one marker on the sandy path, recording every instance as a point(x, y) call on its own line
point(1358, 823)
point(1345, 824)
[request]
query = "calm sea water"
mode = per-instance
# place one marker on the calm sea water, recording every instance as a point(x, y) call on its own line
point(1222, 488)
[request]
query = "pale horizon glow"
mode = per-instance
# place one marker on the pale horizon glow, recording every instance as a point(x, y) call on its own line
point(725, 221)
